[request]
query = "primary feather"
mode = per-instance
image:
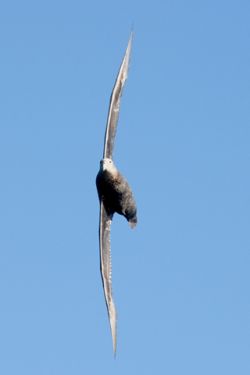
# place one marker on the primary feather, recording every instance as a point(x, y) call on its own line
point(114, 105)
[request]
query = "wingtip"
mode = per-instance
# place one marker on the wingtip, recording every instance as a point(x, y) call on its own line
point(130, 41)
point(113, 325)
point(126, 59)
point(114, 343)
point(113, 332)
point(114, 349)
point(131, 37)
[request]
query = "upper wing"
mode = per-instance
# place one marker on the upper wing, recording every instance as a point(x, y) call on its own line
point(105, 266)
point(114, 104)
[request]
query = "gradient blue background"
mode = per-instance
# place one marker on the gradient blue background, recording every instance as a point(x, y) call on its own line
point(181, 278)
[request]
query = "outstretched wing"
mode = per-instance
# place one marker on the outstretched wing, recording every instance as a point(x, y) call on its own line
point(105, 266)
point(114, 104)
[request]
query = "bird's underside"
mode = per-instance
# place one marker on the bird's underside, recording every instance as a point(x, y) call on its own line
point(114, 192)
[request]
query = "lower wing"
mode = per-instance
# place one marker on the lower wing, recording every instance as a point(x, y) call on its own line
point(105, 266)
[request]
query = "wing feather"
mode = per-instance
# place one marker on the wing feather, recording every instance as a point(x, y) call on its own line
point(114, 105)
point(106, 268)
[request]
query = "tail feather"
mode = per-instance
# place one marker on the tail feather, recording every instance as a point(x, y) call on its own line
point(132, 222)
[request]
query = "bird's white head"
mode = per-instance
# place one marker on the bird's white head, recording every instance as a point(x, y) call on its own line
point(107, 164)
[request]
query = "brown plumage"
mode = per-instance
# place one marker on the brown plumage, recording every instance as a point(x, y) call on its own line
point(115, 193)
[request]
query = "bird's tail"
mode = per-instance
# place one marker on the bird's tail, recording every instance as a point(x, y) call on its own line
point(132, 222)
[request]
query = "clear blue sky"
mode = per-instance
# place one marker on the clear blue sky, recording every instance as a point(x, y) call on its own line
point(181, 278)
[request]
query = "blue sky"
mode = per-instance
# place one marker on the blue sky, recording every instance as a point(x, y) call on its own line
point(181, 278)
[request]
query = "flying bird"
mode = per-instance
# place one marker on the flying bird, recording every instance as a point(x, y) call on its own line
point(114, 192)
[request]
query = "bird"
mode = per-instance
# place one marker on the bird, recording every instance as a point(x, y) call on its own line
point(114, 192)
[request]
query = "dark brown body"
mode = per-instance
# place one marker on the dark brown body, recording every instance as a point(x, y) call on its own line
point(116, 195)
